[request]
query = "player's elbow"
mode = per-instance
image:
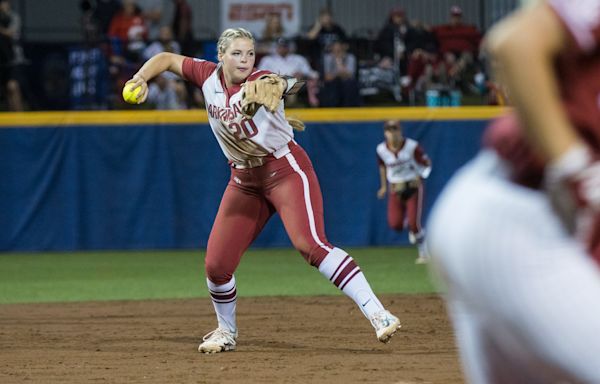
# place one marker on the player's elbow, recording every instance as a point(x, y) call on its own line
point(167, 57)
point(503, 42)
point(170, 62)
point(528, 35)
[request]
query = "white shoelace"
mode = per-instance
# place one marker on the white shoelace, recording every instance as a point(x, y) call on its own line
point(219, 332)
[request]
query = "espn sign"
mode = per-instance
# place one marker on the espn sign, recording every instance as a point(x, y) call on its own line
point(251, 14)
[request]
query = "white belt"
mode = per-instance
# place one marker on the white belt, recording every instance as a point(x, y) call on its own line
point(258, 161)
point(278, 154)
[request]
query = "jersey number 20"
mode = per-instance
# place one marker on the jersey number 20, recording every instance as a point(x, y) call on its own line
point(244, 130)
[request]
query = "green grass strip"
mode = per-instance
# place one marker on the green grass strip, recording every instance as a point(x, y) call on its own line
point(136, 275)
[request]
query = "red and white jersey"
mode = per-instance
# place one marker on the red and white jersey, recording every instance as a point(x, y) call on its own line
point(242, 140)
point(409, 163)
point(578, 69)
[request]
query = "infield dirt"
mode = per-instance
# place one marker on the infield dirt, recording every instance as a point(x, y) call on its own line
point(281, 340)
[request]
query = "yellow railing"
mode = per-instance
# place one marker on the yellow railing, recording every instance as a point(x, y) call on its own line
point(66, 118)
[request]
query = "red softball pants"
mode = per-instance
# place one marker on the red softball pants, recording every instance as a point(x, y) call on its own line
point(288, 186)
point(400, 211)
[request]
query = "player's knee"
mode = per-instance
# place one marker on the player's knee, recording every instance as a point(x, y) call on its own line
point(217, 271)
point(303, 246)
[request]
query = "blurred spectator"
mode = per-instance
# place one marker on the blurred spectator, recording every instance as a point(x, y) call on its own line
point(13, 82)
point(88, 71)
point(167, 93)
point(439, 75)
point(420, 36)
point(340, 88)
point(421, 51)
point(164, 43)
point(391, 41)
point(273, 27)
point(418, 75)
point(7, 33)
point(153, 14)
point(456, 36)
point(272, 31)
point(458, 46)
point(325, 31)
point(128, 32)
point(89, 25)
point(103, 13)
point(182, 27)
point(285, 62)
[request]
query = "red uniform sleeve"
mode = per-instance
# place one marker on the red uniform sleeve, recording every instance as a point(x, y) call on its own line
point(582, 19)
point(197, 71)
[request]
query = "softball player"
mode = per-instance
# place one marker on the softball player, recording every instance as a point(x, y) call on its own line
point(512, 233)
point(403, 164)
point(270, 173)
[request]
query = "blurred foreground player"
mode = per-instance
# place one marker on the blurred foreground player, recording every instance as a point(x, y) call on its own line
point(513, 234)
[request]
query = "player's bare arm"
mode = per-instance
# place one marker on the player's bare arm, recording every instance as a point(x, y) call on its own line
point(383, 182)
point(525, 46)
point(156, 65)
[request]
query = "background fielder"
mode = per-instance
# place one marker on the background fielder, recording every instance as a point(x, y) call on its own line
point(403, 164)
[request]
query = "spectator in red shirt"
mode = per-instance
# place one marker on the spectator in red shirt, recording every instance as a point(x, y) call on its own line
point(127, 34)
point(458, 47)
point(456, 36)
point(128, 23)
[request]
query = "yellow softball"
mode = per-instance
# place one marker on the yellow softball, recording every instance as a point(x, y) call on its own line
point(130, 94)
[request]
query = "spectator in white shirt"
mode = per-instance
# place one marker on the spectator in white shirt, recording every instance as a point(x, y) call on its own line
point(340, 87)
point(156, 13)
point(167, 93)
point(284, 61)
point(164, 43)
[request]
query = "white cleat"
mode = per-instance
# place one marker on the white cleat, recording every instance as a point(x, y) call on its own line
point(385, 325)
point(219, 340)
point(422, 259)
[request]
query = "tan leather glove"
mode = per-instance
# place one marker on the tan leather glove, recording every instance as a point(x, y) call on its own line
point(265, 91)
